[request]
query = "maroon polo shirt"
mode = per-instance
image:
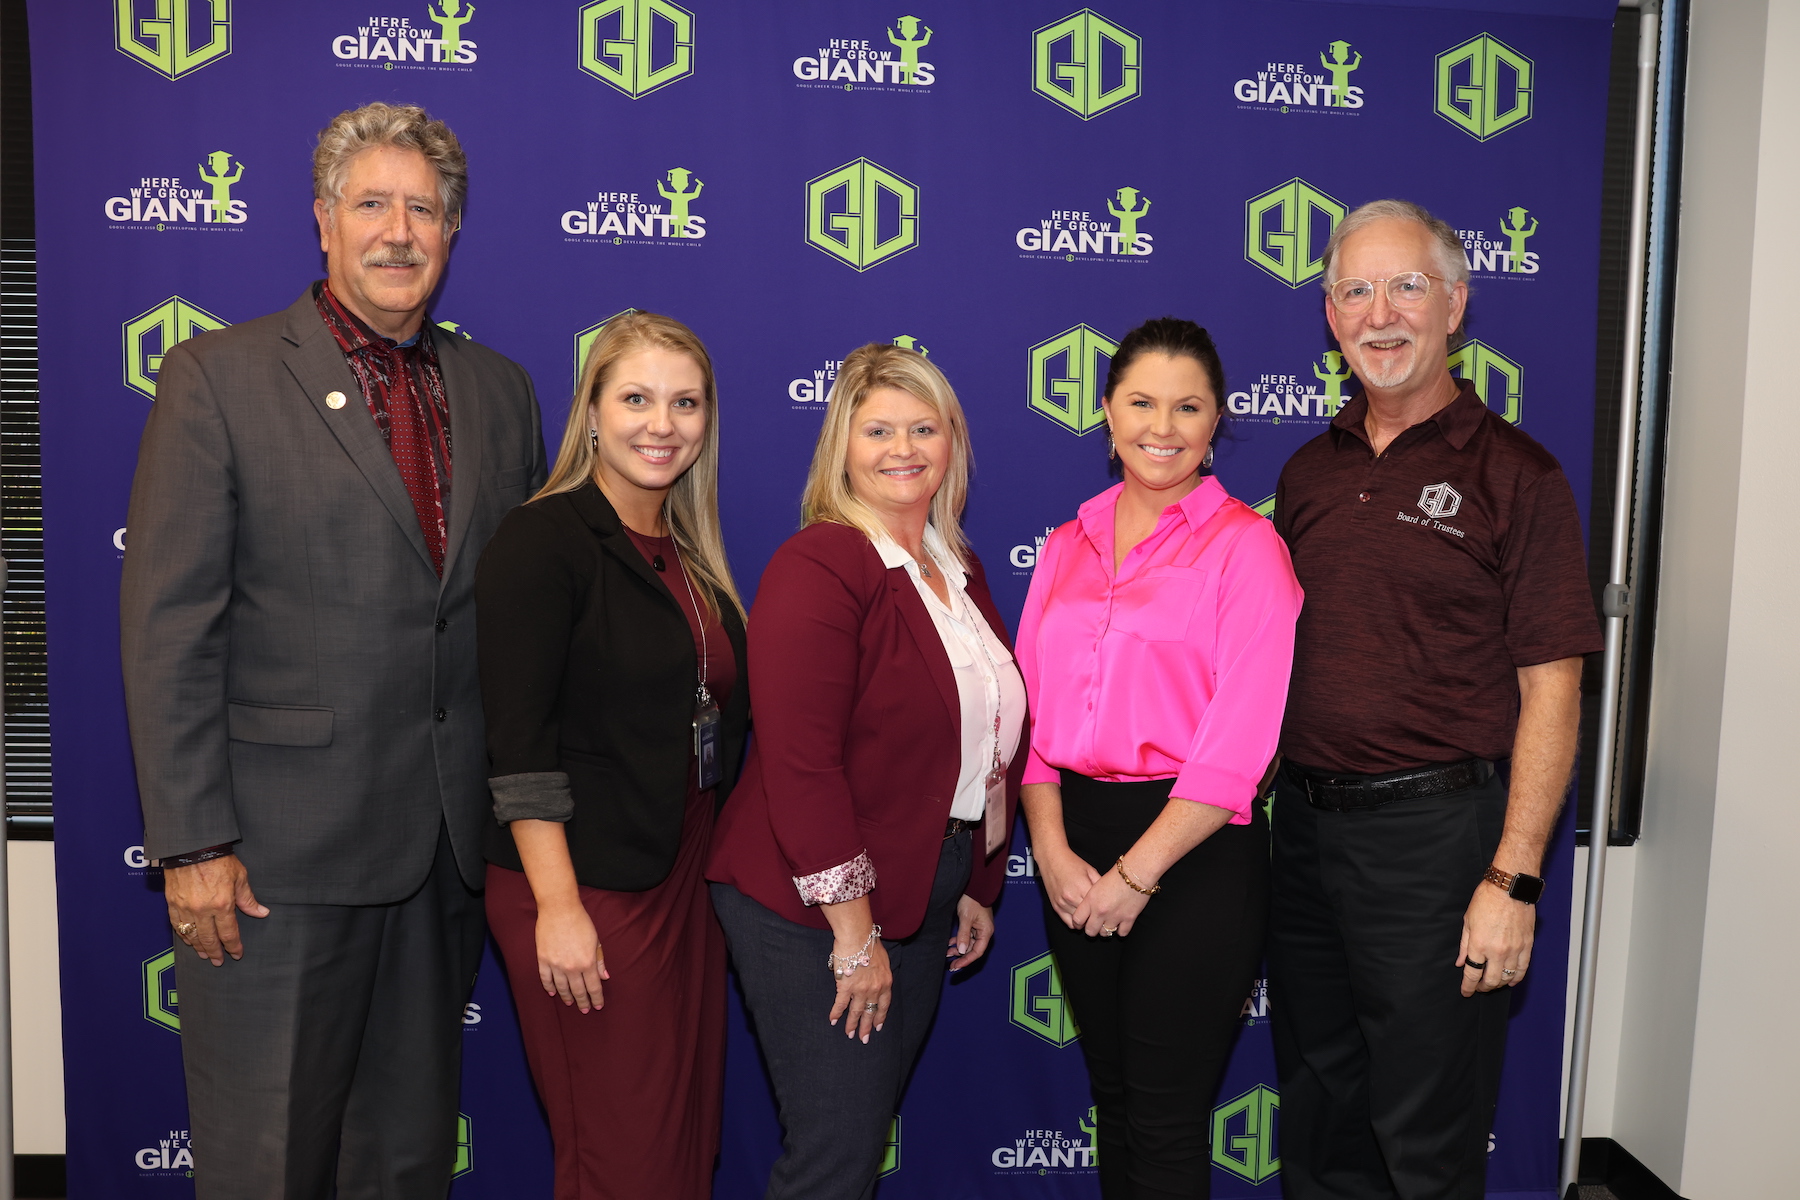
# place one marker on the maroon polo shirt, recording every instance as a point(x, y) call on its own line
point(1432, 573)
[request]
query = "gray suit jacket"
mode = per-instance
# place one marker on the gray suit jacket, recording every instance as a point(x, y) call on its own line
point(297, 677)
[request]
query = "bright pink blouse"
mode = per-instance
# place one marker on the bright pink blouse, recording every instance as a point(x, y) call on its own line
point(1177, 666)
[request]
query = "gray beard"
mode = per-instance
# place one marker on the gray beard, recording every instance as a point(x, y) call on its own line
point(1393, 377)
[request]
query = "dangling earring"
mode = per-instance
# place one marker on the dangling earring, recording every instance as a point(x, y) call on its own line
point(1112, 448)
point(594, 439)
point(1206, 463)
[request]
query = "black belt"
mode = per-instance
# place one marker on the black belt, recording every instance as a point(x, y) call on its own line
point(1350, 793)
point(956, 825)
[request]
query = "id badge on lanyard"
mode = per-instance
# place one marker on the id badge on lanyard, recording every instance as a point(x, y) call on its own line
point(707, 748)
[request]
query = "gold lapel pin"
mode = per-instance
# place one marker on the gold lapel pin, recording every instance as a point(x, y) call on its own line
point(334, 399)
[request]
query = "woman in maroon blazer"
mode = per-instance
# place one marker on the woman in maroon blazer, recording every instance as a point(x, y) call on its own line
point(866, 833)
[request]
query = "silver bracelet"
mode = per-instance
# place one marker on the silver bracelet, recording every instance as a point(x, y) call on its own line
point(842, 967)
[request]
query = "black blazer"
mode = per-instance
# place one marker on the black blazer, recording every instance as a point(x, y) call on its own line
point(588, 667)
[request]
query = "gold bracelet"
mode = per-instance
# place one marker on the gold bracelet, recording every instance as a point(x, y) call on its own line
point(1132, 883)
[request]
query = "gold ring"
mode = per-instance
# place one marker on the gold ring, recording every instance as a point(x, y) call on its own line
point(187, 929)
point(1105, 932)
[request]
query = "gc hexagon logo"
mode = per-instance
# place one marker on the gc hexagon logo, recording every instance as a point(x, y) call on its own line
point(152, 334)
point(862, 214)
point(1286, 228)
point(1038, 1006)
point(637, 46)
point(890, 1155)
point(465, 1148)
point(1483, 87)
point(584, 341)
point(1499, 381)
point(162, 1004)
point(1244, 1135)
point(1068, 375)
point(166, 35)
point(1086, 63)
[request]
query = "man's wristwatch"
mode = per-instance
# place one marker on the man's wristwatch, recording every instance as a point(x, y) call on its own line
point(1524, 888)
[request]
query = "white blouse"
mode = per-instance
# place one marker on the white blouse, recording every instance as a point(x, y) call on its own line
point(987, 680)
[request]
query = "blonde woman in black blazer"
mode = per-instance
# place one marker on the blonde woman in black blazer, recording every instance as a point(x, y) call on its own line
point(608, 625)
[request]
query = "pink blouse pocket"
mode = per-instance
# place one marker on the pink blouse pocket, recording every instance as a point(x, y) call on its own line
point(1157, 605)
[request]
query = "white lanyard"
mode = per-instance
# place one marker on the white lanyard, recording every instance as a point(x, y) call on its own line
point(976, 626)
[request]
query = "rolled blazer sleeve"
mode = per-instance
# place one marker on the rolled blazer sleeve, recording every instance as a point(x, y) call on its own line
point(174, 630)
point(804, 650)
point(1259, 602)
point(528, 593)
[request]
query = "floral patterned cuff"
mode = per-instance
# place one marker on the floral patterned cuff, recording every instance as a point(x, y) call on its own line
point(838, 884)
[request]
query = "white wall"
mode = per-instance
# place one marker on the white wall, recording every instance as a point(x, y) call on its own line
point(36, 1000)
point(1696, 1047)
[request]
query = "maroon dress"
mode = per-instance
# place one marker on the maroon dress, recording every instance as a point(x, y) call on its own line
point(634, 1089)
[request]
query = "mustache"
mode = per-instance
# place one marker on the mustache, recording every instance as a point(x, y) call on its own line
point(1385, 336)
point(393, 255)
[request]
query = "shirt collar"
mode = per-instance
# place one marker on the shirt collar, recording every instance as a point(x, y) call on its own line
point(1097, 514)
point(1457, 420)
point(358, 333)
point(894, 555)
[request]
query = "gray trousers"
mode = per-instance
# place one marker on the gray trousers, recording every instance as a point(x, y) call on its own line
point(836, 1096)
point(331, 1053)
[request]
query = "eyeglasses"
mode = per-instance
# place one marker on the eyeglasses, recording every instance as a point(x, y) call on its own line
point(1406, 290)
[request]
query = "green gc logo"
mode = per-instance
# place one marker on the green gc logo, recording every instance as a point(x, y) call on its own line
point(1068, 374)
point(1038, 1006)
point(1286, 228)
point(1243, 1135)
point(465, 1148)
point(637, 46)
point(165, 35)
point(1483, 87)
point(1086, 63)
point(152, 334)
point(1498, 380)
point(890, 1153)
point(862, 214)
point(584, 341)
point(162, 1004)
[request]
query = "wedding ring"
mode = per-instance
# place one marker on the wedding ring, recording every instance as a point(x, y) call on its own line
point(1505, 971)
point(1105, 932)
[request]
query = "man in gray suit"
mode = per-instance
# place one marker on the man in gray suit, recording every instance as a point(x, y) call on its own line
point(313, 491)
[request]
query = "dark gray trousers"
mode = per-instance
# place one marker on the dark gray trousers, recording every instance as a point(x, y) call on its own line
point(836, 1096)
point(331, 1053)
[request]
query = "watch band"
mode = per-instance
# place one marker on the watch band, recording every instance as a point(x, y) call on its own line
point(1521, 887)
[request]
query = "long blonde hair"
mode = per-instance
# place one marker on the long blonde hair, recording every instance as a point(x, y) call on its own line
point(691, 506)
point(828, 495)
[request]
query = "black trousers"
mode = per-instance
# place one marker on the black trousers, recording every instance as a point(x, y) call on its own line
point(1158, 1010)
point(1388, 1074)
point(837, 1097)
point(331, 1053)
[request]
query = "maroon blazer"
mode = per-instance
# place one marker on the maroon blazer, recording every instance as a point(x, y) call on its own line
point(858, 735)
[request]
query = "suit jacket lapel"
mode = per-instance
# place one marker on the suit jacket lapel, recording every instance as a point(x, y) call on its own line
point(931, 645)
point(598, 513)
point(465, 443)
point(318, 366)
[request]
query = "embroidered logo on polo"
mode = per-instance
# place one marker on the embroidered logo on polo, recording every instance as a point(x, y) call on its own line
point(154, 332)
point(660, 215)
point(174, 38)
point(393, 41)
point(201, 202)
point(171, 1156)
point(1050, 1151)
point(1484, 87)
point(636, 46)
point(1244, 1135)
point(1502, 254)
point(1440, 500)
point(1286, 228)
point(886, 62)
point(1087, 235)
point(1303, 86)
point(1086, 63)
point(1038, 1006)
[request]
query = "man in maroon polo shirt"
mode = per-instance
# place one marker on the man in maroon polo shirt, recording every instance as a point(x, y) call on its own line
point(1447, 610)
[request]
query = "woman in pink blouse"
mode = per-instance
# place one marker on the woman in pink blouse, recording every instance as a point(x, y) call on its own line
point(1155, 646)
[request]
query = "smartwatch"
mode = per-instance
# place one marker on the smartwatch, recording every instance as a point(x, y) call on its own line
point(1524, 888)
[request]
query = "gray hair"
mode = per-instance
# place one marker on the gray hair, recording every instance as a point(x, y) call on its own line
point(406, 126)
point(1451, 260)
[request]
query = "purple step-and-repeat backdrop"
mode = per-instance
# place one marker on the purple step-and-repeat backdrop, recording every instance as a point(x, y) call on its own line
point(1007, 186)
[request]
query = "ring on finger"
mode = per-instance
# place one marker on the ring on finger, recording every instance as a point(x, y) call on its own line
point(186, 930)
point(1508, 971)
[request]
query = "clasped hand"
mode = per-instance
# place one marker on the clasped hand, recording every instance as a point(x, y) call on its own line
point(1083, 898)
